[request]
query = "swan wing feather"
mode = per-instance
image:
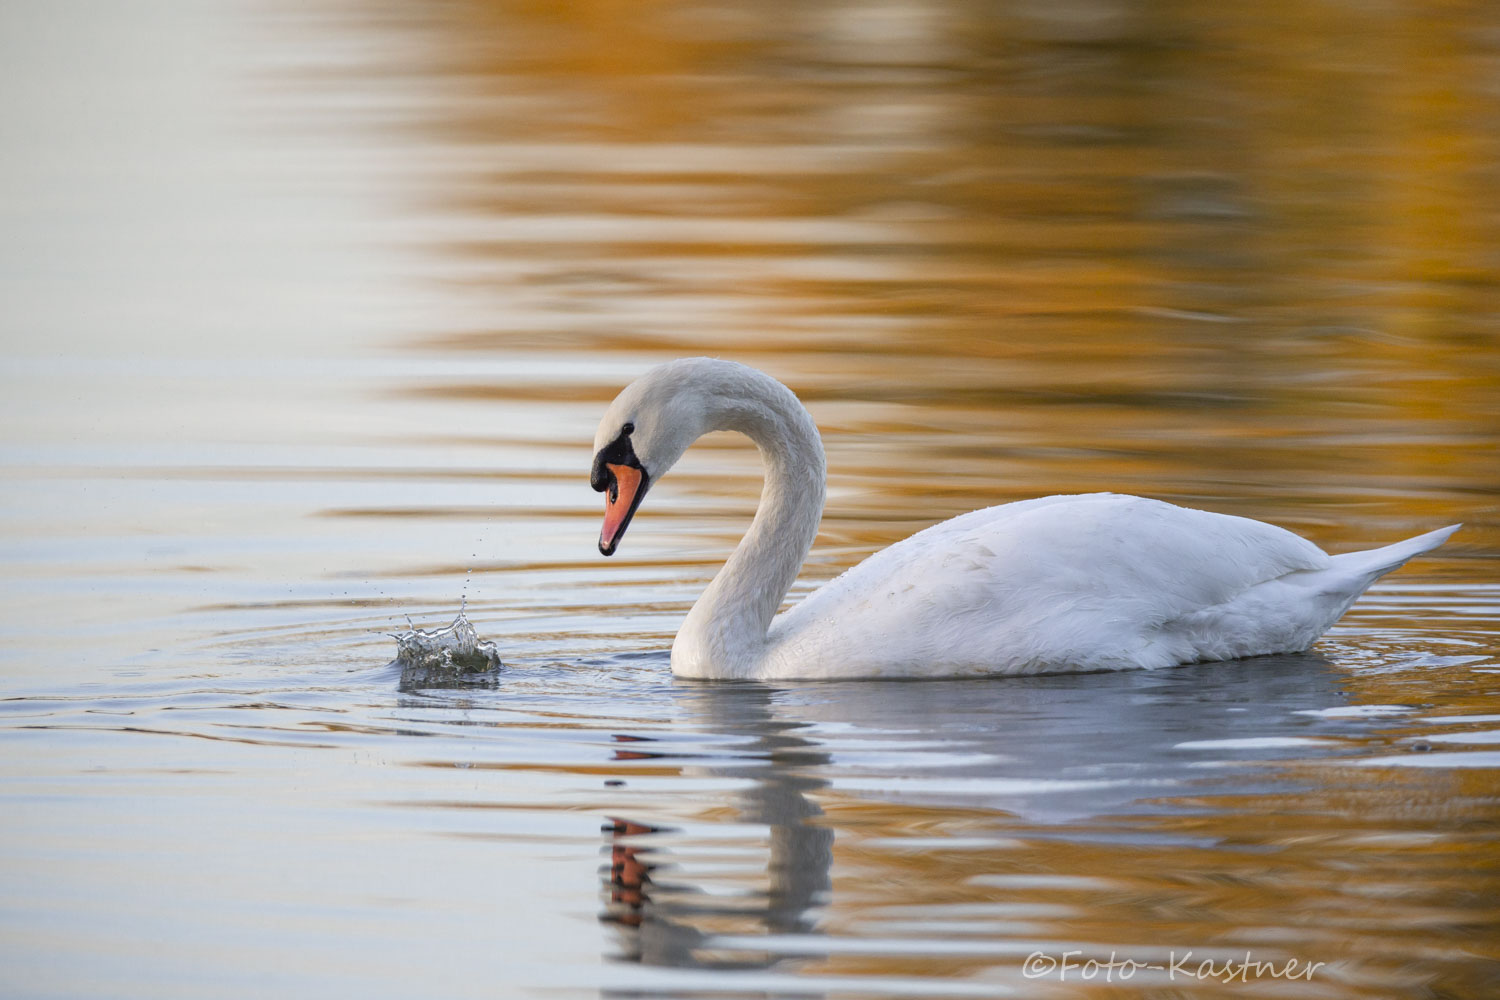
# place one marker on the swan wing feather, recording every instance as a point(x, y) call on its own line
point(1092, 581)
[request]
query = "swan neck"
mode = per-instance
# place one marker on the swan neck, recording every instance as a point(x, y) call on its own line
point(725, 634)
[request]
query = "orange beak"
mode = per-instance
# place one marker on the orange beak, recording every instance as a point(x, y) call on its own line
point(620, 502)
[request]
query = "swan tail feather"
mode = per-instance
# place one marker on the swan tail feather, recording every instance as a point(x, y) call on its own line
point(1375, 563)
point(1350, 574)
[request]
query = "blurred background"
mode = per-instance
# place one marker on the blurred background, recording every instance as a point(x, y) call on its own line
point(308, 311)
point(1247, 260)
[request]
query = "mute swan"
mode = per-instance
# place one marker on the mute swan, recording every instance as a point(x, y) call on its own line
point(1055, 584)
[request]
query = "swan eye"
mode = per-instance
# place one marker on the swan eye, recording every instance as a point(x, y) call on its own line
point(628, 429)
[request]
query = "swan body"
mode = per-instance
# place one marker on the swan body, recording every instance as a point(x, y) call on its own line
point(1055, 584)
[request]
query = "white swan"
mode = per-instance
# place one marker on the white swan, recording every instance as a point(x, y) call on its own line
point(1056, 584)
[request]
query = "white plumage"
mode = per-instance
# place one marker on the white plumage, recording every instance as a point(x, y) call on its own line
point(1055, 584)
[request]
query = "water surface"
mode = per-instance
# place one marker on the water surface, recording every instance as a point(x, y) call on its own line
point(311, 312)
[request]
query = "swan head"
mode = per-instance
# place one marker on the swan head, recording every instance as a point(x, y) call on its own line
point(645, 431)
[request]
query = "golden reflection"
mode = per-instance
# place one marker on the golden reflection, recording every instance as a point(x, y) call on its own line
point(1238, 258)
point(1240, 261)
point(923, 878)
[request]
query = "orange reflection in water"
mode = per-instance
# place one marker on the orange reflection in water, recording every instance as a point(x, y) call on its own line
point(1247, 261)
point(1240, 259)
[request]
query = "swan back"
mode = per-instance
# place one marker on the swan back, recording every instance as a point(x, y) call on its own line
point(1091, 582)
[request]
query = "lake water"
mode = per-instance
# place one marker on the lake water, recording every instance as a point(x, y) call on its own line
point(310, 311)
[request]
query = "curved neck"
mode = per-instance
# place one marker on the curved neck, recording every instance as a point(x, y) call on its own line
point(724, 635)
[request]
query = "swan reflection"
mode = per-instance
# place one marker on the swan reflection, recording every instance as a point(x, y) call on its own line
point(664, 920)
point(953, 791)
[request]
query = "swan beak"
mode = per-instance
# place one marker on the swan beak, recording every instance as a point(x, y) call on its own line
point(627, 485)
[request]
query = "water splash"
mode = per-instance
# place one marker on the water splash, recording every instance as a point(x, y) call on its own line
point(446, 657)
